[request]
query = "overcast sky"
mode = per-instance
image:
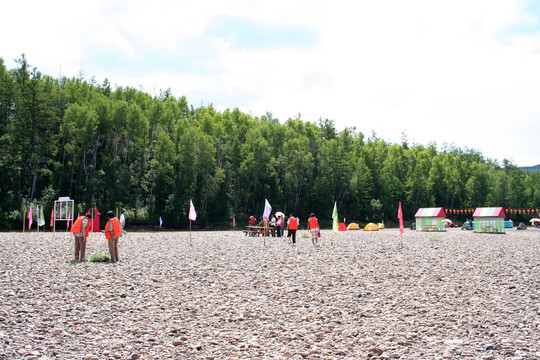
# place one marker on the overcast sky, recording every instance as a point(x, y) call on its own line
point(465, 73)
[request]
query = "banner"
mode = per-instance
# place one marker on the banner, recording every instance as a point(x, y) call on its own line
point(400, 217)
point(335, 222)
point(30, 218)
point(41, 217)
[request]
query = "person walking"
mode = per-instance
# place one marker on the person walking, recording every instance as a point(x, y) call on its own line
point(314, 229)
point(80, 229)
point(279, 225)
point(112, 231)
point(292, 226)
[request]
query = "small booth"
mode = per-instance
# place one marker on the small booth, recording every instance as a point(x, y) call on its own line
point(64, 210)
point(430, 219)
point(489, 220)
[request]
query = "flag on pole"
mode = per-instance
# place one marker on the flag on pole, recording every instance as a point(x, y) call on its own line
point(68, 220)
point(335, 222)
point(400, 217)
point(233, 222)
point(267, 210)
point(30, 217)
point(41, 217)
point(52, 217)
point(38, 220)
point(192, 214)
point(160, 221)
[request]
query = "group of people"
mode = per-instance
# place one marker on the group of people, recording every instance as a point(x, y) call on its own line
point(278, 222)
point(81, 228)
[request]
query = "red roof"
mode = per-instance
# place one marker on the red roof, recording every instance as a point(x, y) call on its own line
point(489, 212)
point(430, 212)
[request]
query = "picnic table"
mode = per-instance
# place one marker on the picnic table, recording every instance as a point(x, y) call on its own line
point(260, 230)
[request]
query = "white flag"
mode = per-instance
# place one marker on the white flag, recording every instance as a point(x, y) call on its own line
point(267, 210)
point(192, 214)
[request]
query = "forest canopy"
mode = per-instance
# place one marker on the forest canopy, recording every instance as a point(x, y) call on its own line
point(107, 145)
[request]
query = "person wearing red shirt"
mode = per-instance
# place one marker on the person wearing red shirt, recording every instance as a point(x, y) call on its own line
point(292, 226)
point(112, 231)
point(314, 229)
point(80, 229)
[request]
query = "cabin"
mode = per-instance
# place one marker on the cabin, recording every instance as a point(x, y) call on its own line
point(489, 220)
point(430, 219)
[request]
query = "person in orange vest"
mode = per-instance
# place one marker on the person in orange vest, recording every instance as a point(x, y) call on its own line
point(314, 229)
point(279, 225)
point(292, 226)
point(112, 231)
point(80, 229)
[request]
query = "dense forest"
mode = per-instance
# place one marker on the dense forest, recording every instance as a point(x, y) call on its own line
point(112, 145)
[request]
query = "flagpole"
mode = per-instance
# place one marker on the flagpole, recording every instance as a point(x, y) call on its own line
point(37, 222)
point(24, 219)
point(93, 214)
point(189, 232)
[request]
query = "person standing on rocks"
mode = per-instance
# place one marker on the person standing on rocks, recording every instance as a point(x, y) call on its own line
point(279, 225)
point(314, 229)
point(80, 229)
point(292, 226)
point(123, 224)
point(112, 231)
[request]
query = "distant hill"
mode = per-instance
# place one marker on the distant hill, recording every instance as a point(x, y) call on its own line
point(530, 169)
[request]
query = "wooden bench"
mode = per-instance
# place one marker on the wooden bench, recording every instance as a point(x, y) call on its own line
point(259, 230)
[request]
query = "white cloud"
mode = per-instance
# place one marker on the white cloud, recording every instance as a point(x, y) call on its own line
point(444, 72)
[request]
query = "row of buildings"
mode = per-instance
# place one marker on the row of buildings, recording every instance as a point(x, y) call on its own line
point(485, 220)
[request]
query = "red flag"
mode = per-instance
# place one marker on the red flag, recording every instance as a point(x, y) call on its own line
point(400, 217)
point(52, 217)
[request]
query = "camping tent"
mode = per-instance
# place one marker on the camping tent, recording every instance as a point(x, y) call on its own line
point(489, 220)
point(342, 227)
point(430, 219)
point(353, 226)
point(371, 227)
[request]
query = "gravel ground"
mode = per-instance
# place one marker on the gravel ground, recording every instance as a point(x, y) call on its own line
point(358, 295)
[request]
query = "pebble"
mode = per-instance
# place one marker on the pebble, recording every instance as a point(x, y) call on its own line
point(236, 297)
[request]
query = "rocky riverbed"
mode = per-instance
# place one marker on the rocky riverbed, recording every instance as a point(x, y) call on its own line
point(358, 295)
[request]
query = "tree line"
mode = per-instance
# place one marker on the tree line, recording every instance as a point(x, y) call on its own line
point(112, 145)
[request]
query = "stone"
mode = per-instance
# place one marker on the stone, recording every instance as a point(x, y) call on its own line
point(228, 297)
point(448, 354)
point(91, 357)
